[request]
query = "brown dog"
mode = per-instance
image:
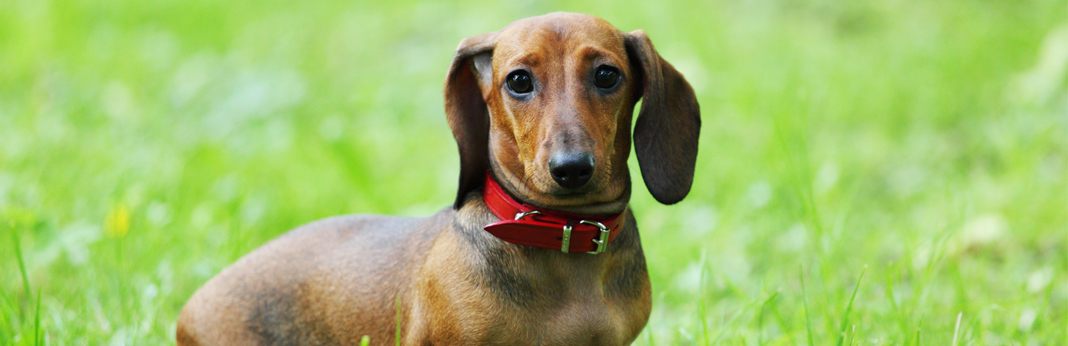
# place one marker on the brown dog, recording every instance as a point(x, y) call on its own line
point(545, 105)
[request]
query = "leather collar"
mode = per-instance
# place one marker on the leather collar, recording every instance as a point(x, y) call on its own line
point(524, 224)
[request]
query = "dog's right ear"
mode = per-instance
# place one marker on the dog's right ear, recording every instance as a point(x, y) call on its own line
point(465, 108)
point(668, 125)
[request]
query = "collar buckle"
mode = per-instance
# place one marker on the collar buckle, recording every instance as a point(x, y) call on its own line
point(602, 236)
point(522, 214)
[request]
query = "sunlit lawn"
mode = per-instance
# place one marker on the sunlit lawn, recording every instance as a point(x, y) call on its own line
point(912, 153)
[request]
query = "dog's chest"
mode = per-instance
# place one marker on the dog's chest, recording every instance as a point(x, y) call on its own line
point(529, 297)
point(478, 319)
point(529, 306)
point(587, 321)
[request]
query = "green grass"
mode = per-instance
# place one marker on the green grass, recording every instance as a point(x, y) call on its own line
point(144, 146)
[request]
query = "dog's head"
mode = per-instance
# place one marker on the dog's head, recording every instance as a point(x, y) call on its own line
point(546, 104)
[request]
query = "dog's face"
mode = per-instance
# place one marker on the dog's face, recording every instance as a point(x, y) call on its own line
point(558, 91)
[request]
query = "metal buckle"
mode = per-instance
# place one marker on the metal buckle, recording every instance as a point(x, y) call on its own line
point(565, 241)
point(602, 238)
point(523, 214)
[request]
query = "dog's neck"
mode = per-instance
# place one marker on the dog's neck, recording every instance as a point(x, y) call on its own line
point(520, 191)
point(475, 214)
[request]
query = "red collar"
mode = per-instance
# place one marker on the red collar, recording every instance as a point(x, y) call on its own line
point(525, 225)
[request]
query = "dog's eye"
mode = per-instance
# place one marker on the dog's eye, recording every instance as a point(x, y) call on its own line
point(605, 77)
point(519, 82)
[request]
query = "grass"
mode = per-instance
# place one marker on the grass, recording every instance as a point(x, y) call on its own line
point(144, 146)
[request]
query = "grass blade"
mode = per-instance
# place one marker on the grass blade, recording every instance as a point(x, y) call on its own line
point(849, 307)
point(397, 339)
point(728, 325)
point(760, 318)
point(22, 264)
point(701, 308)
point(804, 302)
point(37, 321)
point(889, 287)
point(956, 330)
point(7, 314)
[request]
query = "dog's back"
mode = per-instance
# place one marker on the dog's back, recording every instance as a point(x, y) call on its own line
point(265, 297)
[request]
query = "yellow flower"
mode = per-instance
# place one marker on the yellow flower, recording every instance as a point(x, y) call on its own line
point(117, 222)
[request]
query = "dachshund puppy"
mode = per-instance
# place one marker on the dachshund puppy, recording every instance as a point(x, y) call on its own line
point(539, 247)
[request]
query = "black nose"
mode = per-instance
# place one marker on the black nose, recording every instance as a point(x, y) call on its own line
point(571, 170)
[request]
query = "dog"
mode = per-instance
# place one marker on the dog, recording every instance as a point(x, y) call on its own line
point(541, 111)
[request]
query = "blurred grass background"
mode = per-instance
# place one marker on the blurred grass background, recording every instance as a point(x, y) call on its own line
point(144, 146)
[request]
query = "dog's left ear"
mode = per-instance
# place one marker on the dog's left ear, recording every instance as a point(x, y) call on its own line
point(466, 109)
point(665, 134)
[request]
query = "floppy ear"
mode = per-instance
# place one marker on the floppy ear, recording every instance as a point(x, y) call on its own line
point(665, 134)
point(466, 110)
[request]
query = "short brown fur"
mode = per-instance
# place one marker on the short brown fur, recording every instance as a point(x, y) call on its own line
point(448, 281)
